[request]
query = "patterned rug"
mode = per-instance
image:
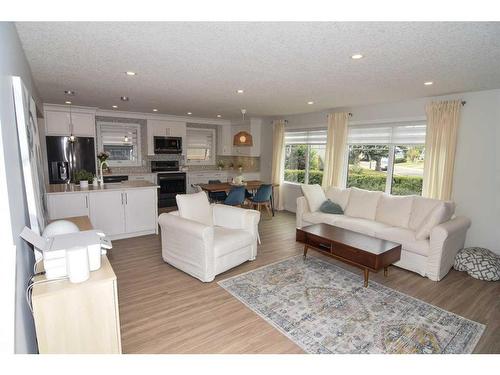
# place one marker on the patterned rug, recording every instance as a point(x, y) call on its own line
point(325, 309)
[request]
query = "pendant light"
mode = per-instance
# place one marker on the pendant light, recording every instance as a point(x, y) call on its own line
point(71, 136)
point(243, 138)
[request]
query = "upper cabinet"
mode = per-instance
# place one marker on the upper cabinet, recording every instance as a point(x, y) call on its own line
point(166, 129)
point(58, 120)
point(224, 140)
point(253, 126)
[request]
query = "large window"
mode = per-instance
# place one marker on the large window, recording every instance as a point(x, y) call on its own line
point(304, 156)
point(122, 142)
point(200, 146)
point(387, 157)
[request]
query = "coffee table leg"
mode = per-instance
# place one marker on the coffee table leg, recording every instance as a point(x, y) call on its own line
point(386, 271)
point(366, 277)
point(305, 250)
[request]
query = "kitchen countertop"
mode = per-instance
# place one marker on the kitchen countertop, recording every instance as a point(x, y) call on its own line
point(72, 188)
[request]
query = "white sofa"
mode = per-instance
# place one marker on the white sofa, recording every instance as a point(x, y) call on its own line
point(427, 229)
point(205, 240)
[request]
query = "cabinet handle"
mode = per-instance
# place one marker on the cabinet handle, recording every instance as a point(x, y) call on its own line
point(126, 198)
point(122, 199)
point(86, 202)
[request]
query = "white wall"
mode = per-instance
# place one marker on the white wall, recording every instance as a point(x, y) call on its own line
point(266, 149)
point(477, 170)
point(13, 62)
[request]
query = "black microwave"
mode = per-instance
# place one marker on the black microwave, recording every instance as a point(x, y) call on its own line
point(168, 145)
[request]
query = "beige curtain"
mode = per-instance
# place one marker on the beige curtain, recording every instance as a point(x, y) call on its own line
point(336, 143)
point(277, 167)
point(440, 147)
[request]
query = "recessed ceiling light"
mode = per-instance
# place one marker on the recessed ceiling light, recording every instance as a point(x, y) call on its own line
point(124, 98)
point(155, 110)
point(219, 116)
point(310, 102)
point(129, 73)
point(67, 102)
point(114, 106)
point(189, 113)
point(357, 56)
point(428, 83)
point(69, 92)
point(240, 91)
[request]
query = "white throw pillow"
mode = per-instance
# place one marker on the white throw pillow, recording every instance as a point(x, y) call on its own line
point(315, 196)
point(422, 208)
point(394, 210)
point(362, 203)
point(442, 213)
point(339, 196)
point(195, 207)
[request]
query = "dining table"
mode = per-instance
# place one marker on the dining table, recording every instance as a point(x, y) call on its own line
point(250, 185)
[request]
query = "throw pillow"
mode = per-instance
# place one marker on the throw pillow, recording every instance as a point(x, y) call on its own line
point(394, 210)
point(339, 196)
point(315, 196)
point(362, 203)
point(442, 213)
point(195, 207)
point(329, 207)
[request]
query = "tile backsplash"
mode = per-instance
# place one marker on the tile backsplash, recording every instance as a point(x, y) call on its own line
point(250, 164)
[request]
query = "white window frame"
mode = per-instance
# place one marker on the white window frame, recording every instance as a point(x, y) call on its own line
point(121, 163)
point(392, 147)
point(306, 171)
point(211, 160)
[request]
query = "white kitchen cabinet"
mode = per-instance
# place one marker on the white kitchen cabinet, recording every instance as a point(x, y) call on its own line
point(150, 177)
point(65, 205)
point(224, 140)
point(139, 204)
point(57, 121)
point(107, 212)
point(166, 129)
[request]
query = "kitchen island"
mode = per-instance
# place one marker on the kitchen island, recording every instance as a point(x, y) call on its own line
point(120, 210)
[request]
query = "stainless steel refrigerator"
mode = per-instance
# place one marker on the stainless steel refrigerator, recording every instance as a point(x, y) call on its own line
point(65, 157)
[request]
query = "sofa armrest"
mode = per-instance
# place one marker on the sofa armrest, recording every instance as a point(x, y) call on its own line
point(446, 240)
point(302, 208)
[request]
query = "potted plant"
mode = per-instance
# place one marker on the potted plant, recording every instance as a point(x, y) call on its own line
point(240, 167)
point(220, 165)
point(84, 178)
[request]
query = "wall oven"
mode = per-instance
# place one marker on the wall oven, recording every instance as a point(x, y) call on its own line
point(167, 145)
point(170, 181)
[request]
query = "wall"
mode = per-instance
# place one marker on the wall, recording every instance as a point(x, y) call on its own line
point(477, 170)
point(13, 62)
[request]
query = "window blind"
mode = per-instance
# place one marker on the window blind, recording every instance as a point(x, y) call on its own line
point(397, 134)
point(312, 137)
point(118, 135)
point(200, 138)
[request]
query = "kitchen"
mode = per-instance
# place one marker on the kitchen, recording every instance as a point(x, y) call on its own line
point(147, 152)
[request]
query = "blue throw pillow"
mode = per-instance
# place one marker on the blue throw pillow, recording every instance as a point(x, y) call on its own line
point(330, 207)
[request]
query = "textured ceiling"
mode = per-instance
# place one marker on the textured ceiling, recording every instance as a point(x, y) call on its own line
point(197, 67)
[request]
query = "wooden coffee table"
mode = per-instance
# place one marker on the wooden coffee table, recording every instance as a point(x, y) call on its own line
point(365, 252)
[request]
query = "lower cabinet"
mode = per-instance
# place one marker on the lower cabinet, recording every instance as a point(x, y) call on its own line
point(65, 205)
point(118, 213)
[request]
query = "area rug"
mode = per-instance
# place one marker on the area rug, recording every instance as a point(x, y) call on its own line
point(325, 309)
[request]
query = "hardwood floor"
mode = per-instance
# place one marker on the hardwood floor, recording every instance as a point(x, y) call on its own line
point(163, 310)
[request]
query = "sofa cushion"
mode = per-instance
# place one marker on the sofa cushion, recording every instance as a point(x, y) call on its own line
point(321, 217)
point(362, 203)
point(315, 196)
point(329, 207)
point(405, 237)
point(195, 207)
point(228, 240)
point(394, 210)
point(440, 214)
point(364, 226)
point(422, 207)
point(339, 196)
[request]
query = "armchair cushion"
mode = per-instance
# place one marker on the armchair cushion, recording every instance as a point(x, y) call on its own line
point(195, 207)
point(227, 240)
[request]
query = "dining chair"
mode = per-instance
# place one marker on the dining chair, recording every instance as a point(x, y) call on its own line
point(218, 196)
point(263, 198)
point(236, 196)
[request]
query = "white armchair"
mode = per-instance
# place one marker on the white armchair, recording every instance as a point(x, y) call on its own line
point(205, 240)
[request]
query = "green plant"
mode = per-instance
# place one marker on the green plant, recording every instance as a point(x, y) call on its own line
point(83, 175)
point(220, 164)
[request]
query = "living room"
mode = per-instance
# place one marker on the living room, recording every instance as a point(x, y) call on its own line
point(250, 187)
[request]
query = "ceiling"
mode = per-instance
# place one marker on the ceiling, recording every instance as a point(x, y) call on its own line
point(197, 67)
